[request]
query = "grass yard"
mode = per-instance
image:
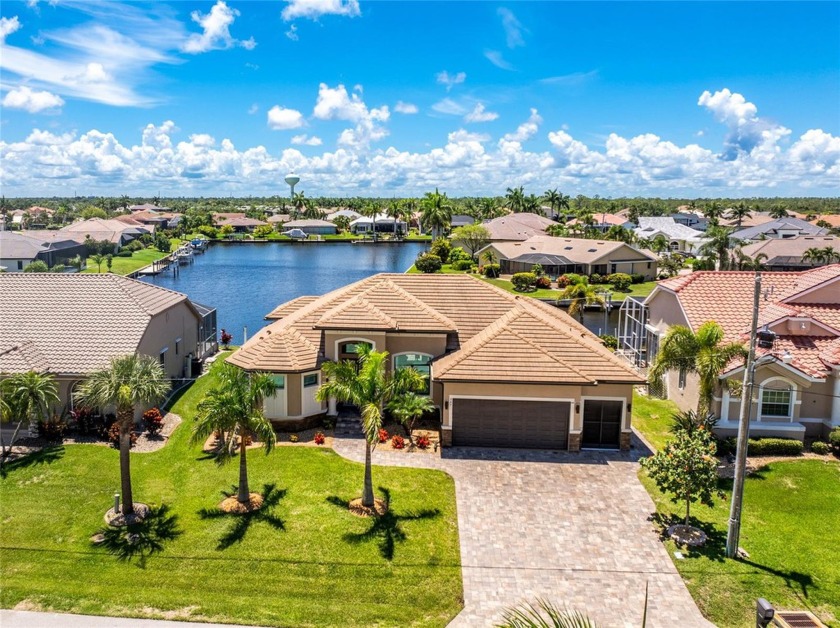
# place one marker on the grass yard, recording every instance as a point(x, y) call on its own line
point(791, 511)
point(138, 259)
point(652, 418)
point(302, 561)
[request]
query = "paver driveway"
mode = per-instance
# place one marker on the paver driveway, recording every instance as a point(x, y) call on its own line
point(572, 528)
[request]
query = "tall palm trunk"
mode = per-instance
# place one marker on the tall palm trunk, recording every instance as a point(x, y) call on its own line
point(367, 494)
point(126, 419)
point(244, 495)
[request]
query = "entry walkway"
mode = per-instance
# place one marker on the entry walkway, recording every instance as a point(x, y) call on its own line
point(571, 528)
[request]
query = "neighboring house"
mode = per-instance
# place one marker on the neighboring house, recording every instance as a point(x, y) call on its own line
point(780, 255)
point(517, 227)
point(312, 226)
point(504, 370)
point(781, 228)
point(692, 219)
point(344, 213)
point(461, 220)
point(797, 384)
point(72, 325)
point(603, 222)
point(110, 229)
point(278, 219)
point(152, 218)
point(241, 224)
point(383, 224)
point(147, 207)
point(219, 218)
point(681, 239)
point(573, 255)
point(756, 219)
point(832, 220)
point(19, 249)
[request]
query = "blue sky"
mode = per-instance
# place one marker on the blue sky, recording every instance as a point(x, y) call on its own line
point(395, 98)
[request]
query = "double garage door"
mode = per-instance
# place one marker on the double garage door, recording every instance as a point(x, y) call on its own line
point(510, 423)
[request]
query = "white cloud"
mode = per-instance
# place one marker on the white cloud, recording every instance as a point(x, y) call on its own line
point(449, 107)
point(495, 57)
point(292, 33)
point(216, 31)
point(405, 108)
point(8, 25)
point(445, 78)
point(313, 9)
point(281, 119)
point(337, 104)
point(526, 130)
point(480, 114)
point(30, 100)
point(253, 109)
point(570, 80)
point(513, 28)
point(307, 140)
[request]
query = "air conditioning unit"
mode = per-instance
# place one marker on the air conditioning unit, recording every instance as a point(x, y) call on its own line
point(796, 619)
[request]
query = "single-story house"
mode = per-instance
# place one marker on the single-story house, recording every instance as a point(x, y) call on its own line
point(110, 229)
point(603, 222)
point(755, 219)
point(832, 220)
point(147, 207)
point(517, 227)
point(312, 226)
point(72, 325)
point(19, 249)
point(461, 220)
point(383, 224)
point(693, 219)
point(781, 228)
point(152, 218)
point(278, 219)
point(344, 213)
point(503, 370)
point(680, 238)
point(558, 256)
point(797, 381)
point(241, 224)
point(786, 254)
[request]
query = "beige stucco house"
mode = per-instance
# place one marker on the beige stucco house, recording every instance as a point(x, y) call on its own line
point(503, 370)
point(72, 325)
point(797, 382)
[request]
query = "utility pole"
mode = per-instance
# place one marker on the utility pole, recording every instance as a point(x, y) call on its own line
point(734, 531)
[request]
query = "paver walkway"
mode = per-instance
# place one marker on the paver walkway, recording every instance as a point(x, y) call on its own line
point(572, 528)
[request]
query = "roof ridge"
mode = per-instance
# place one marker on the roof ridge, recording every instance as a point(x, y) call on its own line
point(543, 351)
point(389, 283)
point(359, 300)
point(480, 339)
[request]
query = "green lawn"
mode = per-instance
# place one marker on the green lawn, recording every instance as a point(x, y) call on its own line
point(791, 511)
point(652, 417)
point(305, 561)
point(138, 259)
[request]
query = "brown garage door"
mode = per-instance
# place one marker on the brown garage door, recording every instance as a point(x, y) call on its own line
point(509, 423)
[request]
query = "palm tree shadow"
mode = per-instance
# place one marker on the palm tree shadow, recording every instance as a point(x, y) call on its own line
point(385, 529)
point(47, 455)
point(143, 539)
point(243, 522)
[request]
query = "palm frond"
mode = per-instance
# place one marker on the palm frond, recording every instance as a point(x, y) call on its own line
point(543, 614)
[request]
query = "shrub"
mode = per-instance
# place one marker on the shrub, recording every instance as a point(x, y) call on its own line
point(263, 231)
point(537, 269)
point(596, 278)
point(727, 446)
point(114, 436)
point(153, 421)
point(457, 255)
point(834, 439)
point(821, 448)
point(397, 442)
point(37, 266)
point(523, 282)
point(428, 263)
point(162, 243)
point(134, 245)
point(492, 270)
point(575, 279)
point(423, 442)
point(543, 281)
point(294, 438)
point(383, 435)
point(124, 253)
point(52, 430)
point(563, 282)
point(610, 342)
point(463, 264)
point(208, 231)
point(441, 247)
point(85, 423)
point(637, 278)
point(320, 438)
point(620, 281)
point(226, 338)
point(328, 422)
point(774, 447)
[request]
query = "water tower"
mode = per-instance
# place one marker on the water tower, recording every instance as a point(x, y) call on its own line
point(292, 180)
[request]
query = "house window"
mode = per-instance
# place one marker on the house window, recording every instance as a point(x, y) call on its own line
point(648, 264)
point(162, 356)
point(20, 265)
point(352, 348)
point(776, 403)
point(310, 380)
point(420, 363)
point(681, 380)
point(279, 381)
point(177, 346)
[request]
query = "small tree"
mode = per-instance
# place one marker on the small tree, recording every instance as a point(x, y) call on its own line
point(441, 247)
point(428, 263)
point(162, 243)
point(523, 282)
point(36, 267)
point(472, 238)
point(408, 408)
point(686, 468)
point(226, 230)
point(620, 281)
point(109, 261)
point(98, 259)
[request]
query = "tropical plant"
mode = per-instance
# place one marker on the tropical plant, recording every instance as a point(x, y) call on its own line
point(436, 213)
point(618, 233)
point(778, 212)
point(717, 246)
point(713, 213)
point(580, 295)
point(690, 421)
point(556, 200)
point(543, 614)
point(737, 213)
point(234, 411)
point(27, 397)
point(671, 264)
point(523, 282)
point(109, 261)
point(129, 381)
point(472, 238)
point(370, 388)
point(441, 247)
point(703, 353)
point(515, 198)
point(98, 259)
point(687, 468)
point(37, 266)
point(428, 263)
point(408, 408)
point(371, 210)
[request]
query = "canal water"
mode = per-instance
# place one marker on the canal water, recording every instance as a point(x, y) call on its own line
point(244, 282)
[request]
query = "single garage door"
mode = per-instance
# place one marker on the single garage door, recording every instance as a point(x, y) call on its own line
point(510, 423)
point(601, 423)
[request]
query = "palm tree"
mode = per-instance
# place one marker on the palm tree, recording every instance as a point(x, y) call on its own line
point(713, 213)
point(544, 614)
point(98, 259)
point(234, 410)
point(580, 296)
point(815, 256)
point(371, 210)
point(717, 245)
point(739, 212)
point(408, 408)
point(830, 255)
point(778, 212)
point(436, 213)
point(532, 204)
point(516, 199)
point(367, 386)
point(396, 212)
point(29, 395)
point(703, 353)
point(128, 382)
point(619, 234)
point(556, 200)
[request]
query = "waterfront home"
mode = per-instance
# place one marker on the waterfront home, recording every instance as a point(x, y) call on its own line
point(240, 224)
point(558, 256)
point(693, 219)
point(19, 249)
point(349, 214)
point(797, 381)
point(381, 223)
point(278, 219)
point(516, 227)
point(681, 239)
point(603, 222)
point(503, 370)
point(312, 226)
point(787, 254)
point(781, 228)
point(72, 325)
point(460, 220)
point(153, 219)
point(111, 230)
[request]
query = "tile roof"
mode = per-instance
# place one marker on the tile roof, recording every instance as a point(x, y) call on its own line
point(832, 219)
point(517, 226)
point(290, 307)
point(774, 226)
point(75, 322)
point(576, 250)
point(308, 222)
point(790, 247)
point(109, 229)
point(604, 219)
point(27, 245)
point(650, 225)
point(505, 337)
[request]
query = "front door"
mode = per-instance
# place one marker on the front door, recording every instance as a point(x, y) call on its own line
point(601, 423)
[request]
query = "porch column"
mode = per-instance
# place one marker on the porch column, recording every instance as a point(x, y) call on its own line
point(835, 400)
point(332, 407)
point(724, 403)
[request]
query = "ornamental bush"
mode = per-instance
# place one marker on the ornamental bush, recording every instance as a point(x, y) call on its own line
point(320, 438)
point(383, 435)
point(620, 281)
point(834, 439)
point(153, 421)
point(543, 281)
point(523, 282)
point(52, 430)
point(458, 254)
point(492, 270)
point(114, 436)
point(637, 278)
point(423, 442)
point(397, 442)
point(774, 447)
point(575, 279)
point(821, 448)
point(428, 263)
point(610, 342)
point(462, 264)
point(441, 247)
point(596, 278)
